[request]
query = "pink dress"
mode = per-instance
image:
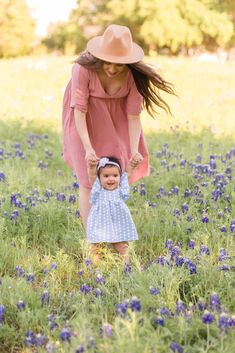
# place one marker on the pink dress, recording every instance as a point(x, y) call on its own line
point(107, 122)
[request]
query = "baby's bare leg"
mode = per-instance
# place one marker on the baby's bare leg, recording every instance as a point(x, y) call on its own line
point(122, 249)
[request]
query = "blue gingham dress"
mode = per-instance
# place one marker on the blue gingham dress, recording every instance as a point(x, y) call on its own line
point(109, 219)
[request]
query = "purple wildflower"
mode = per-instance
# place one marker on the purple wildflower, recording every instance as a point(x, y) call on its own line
point(2, 176)
point(135, 304)
point(30, 278)
point(191, 244)
point(54, 266)
point(45, 298)
point(2, 312)
point(19, 271)
point(204, 250)
point(158, 321)
point(87, 261)
point(175, 347)
point(169, 244)
point(80, 349)
point(180, 308)
point(153, 290)
point(205, 219)
point(106, 331)
point(223, 322)
point(208, 317)
point(121, 308)
point(20, 305)
point(85, 288)
point(201, 304)
point(165, 312)
point(29, 338)
point(100, 279)
point(215, 302)
point(65, 334)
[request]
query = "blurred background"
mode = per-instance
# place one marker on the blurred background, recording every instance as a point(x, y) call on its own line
point(192, 42)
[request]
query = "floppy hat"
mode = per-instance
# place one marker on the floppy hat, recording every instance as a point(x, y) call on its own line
point(115, 46)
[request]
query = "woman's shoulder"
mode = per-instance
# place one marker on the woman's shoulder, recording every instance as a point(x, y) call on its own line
point(80, 70)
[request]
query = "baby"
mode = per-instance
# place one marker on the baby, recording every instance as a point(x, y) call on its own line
point(109, 220)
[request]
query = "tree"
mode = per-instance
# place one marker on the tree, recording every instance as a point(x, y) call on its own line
point(16, 28)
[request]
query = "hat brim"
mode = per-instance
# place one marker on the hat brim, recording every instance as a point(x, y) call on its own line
point(94, 47)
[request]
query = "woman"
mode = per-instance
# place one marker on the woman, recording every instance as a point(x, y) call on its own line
point(102, 105)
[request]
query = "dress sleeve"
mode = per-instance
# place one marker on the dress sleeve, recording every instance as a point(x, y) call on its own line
point(95, 191)
point(124, 187)
point(134, 99)
point(79, 88)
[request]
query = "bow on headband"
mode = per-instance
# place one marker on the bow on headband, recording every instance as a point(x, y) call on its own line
point(104, 161)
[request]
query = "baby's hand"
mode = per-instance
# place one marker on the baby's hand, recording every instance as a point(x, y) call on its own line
point(136, 159)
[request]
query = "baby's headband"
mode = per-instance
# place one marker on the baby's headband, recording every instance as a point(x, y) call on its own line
point(104, 161)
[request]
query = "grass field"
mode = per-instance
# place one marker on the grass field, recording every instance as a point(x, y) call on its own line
point(178, 293)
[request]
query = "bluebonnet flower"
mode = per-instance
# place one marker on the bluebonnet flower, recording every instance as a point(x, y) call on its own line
point(143, 191)
point(153, 290)
point(106, 331)
point(179, 261)
point(98, 292)
point(175, 347)
point(2, 176)
point(66, 334)
point(19, 271)
point(20, 305)
point(72, 198)
point(60, 197)
point(45, 298)
point(135, 304)
point(29, 338)
point(52, 323)
point(223, 254)
point(201, 304)
point(54, 266)
point(205, 219)
point(175, 190)
point(85, 288)
point(158, 321)
point(169, 244)
point(87, 261)
point(2, 312)
point(80, 272)
point(39, 339)
point(161, 260)
point(77, 214)
point(175, 251)
point(80, 349)
point(100, 279)
point(204, 250)
point(215, 301)
point(232, 321)
point(223, 322)
point(207, 317)
point(127, 268)
point(176, 212)
point(50, 347)
point(184, 207)
point(75, 185)
point(30, 278)
point(187, 192)
point(15, 215)
point(191, 244)
point(223, 229)
point(180, 308)
point(121, 308)
point(225, 267)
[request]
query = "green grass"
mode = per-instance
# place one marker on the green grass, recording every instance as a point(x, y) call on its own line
point(48, 231)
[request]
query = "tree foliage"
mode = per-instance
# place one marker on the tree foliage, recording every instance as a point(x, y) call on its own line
point(171, 24)
point(16, 28)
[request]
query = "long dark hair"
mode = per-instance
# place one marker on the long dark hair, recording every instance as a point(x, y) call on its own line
point(148, 82)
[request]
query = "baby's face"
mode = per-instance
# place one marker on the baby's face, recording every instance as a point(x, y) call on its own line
point(110, 177)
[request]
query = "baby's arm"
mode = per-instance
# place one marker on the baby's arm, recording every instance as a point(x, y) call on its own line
point(129, 170)
point(92, 172)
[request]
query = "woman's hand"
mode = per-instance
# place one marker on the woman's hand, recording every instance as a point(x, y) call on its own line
point(136, 159)
point(91, 158)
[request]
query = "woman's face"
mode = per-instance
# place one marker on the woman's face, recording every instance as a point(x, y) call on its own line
point(110, 177)
point(113, 70)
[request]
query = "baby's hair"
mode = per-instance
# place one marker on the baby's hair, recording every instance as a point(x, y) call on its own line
point(112, 160)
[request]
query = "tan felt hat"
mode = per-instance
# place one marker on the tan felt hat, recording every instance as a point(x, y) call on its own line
point(116, 46)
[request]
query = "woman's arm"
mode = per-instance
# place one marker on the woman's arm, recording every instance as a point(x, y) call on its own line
point(81, 126)
point(134, 126)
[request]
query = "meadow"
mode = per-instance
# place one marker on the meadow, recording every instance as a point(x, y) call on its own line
point(177, 294)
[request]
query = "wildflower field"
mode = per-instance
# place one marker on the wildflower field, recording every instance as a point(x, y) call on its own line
point(178, 292)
